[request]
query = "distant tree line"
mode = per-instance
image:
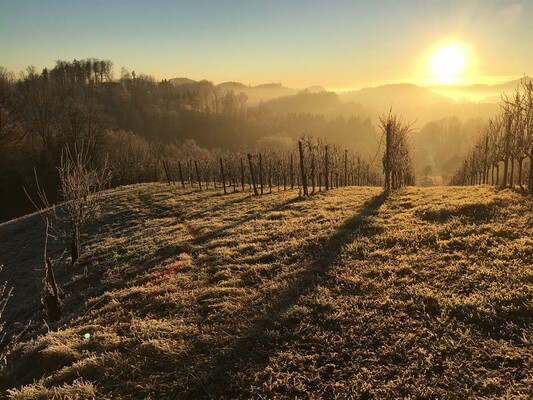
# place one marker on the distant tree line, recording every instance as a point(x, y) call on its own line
point(133, 123)
point(503, 154)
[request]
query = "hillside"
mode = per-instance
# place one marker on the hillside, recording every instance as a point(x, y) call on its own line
point(319, 103)
point(186, 294)
point(417, 103)
point(480, 93)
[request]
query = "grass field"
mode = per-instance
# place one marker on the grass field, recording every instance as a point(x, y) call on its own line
point(347, 294)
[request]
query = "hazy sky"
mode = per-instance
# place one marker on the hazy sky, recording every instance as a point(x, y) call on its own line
point(336, 44)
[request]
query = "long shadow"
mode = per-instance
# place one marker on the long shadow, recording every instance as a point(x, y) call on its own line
point(225, 204)
point(202, 239)
point(244, 351)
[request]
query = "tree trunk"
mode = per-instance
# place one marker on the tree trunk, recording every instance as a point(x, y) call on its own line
point(511, 177)
point(75, 243)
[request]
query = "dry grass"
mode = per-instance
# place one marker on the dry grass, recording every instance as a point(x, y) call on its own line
point(427, 294)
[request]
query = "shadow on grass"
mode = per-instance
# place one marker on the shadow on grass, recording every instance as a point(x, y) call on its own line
point(252, 351)
point(202, 239)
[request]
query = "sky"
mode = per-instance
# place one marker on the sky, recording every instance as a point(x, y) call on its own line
point(335, 44)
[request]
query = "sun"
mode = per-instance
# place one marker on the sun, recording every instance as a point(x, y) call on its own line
point(447, 63)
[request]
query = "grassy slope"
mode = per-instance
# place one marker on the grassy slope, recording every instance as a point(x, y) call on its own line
point(188, 295)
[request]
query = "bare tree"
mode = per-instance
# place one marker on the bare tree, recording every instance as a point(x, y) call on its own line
point(81, 188)
point(397, 165)
point(5, 294)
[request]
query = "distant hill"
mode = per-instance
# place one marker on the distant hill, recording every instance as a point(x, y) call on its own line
point(403, 95)
point(416, 103)
point(266, 92)
point(479, 93)
point(235, 86)
point(318, 103)
point(500, 87)
point(181, 81)
point(314, 89)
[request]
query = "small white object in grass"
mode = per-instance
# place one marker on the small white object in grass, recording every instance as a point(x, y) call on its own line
point(87, 336)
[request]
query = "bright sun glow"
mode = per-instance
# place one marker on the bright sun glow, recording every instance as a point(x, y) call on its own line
point(447, 63)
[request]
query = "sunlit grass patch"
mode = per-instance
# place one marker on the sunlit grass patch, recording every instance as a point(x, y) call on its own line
point(345, 294)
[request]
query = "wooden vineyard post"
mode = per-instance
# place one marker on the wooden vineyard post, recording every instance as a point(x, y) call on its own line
point(252, 175)
point(388, 137)
point(181, 174)
point(345, 167)
point(358, 170)
point(51, 298)
point(261, 172)
point(313, 175)
point(167, 172)
point(326, 174)
point(292, 171)
point(222, 173)
point(270, 177)
point(190, 175)
point(198, 174)
point(302, 169)
point(242, 174)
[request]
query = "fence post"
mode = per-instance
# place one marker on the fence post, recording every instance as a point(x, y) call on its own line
point(223, 177)
point(261, 172)
point(167, 172)
point(388, 137)
point(181, 174)
point(292, 171)
point(302, 169)
point(198, 174)
point(345, 167)
point(252, 175)
point(326, 175)
point(242, 174)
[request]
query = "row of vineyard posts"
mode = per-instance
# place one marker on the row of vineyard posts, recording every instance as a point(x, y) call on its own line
point(313, 166)
point(502, 153)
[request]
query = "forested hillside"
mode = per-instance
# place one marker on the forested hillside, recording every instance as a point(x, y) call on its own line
point(133, 122)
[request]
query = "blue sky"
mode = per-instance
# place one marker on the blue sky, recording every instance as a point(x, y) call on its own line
point(336, 44)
